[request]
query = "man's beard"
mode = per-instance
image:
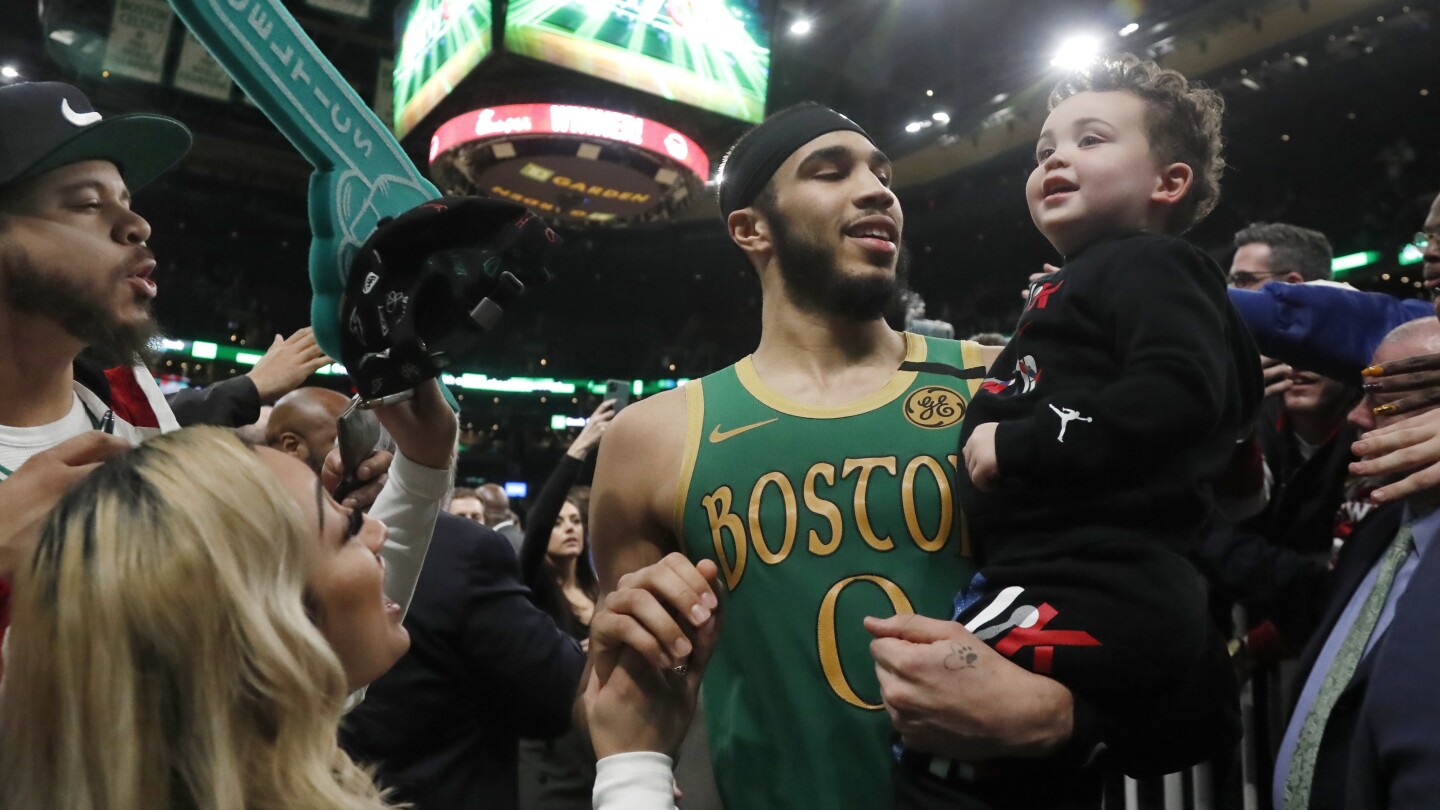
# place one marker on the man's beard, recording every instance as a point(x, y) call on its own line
point(83, 311)
point(817, 284)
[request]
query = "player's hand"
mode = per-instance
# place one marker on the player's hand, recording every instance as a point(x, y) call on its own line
point(373, 473)
point(641, 708)
point(1276, 376)
point(27, 496)
point(1419, 375)
point(593, 430)
point(949, 693)
point(423, 426)
point(980, 460)
point(286, 364)
point(1410, 446)
point(658, 611)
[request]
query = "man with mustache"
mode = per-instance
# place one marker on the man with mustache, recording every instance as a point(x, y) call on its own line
point(75, 299)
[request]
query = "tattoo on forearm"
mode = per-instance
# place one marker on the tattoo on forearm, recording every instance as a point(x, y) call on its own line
point(960, 658)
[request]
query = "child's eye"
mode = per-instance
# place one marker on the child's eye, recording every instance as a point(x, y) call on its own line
point(1043, 154)
point(1090, 140)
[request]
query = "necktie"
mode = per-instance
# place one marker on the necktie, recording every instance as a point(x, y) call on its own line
point(1307, 746)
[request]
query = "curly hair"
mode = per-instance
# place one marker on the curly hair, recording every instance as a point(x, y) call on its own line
point(1182, 122)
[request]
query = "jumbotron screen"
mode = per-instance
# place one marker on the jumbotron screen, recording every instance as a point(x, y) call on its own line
point(442, 41)
point(713, 54)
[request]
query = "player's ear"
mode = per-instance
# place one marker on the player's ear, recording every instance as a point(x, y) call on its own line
point(749, 229)
point(1173, 183)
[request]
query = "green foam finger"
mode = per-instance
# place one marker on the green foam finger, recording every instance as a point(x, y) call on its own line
point(361, 174)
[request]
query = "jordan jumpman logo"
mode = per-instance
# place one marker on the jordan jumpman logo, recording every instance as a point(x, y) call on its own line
point(1068, 415)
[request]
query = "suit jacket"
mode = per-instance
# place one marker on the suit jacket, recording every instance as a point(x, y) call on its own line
point(1357, 557)
point(485, 667)
point(1395, 758)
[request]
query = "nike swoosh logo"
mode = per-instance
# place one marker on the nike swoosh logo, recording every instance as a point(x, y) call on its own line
point(78, 119)
point(717, 435)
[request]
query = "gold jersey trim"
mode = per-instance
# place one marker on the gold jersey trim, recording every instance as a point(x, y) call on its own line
point(915, 351)
point(694, 429)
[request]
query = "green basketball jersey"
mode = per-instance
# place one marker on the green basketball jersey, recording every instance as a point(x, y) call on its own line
point(818, 517)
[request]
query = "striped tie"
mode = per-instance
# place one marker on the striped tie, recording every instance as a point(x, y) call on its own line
point(1307, 746)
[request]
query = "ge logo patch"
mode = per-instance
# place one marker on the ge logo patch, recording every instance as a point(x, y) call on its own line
point(934, 407)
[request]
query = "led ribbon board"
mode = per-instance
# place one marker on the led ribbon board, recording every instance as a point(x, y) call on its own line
point(713, 54)
point(569, 162)
point(361, 174)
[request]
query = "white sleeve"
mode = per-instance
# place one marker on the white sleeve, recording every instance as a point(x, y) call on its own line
point(408, 506)
point(639, 780)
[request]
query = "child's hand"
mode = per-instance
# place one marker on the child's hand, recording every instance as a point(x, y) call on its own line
point(980, 459)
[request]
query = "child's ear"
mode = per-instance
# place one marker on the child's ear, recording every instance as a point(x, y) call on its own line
point(1173, 184)
point(749, 230)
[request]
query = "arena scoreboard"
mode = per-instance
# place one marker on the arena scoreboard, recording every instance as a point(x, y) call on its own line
point(712, 54)
point(441, 42)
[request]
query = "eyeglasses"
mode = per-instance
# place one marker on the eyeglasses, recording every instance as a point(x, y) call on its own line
point(1245, 278)
point(1422, 239)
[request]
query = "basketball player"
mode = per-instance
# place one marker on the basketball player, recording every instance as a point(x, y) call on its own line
point(818, 472)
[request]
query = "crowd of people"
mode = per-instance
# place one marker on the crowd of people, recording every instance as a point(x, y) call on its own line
point(897, 570)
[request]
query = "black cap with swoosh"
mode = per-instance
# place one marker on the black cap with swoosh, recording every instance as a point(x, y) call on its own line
point(46, 125)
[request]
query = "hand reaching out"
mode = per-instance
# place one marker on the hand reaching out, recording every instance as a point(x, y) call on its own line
point(1419, 375)
point(593, 430)
point(27, 496)
point(286, 364)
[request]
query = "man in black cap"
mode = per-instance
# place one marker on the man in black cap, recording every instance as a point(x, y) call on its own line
point(75, 276)
point(819, 474)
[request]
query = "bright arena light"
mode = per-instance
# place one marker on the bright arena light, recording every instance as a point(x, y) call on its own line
point(1076, 52)
point(942, 118)
point(916, 126)
point(9, 72)
point(800, 27)
point(1129, 29)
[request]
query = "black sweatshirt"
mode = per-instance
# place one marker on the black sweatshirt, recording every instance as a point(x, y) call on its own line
point(1119, 399)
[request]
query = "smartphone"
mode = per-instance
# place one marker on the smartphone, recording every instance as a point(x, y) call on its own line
point(357, 433)
point(618, 390)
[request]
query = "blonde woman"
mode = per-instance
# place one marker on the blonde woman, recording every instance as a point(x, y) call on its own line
point(190, 622)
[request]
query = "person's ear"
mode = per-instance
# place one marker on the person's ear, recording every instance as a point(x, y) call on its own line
point(1172, 184)
point(749, 229)
point(292, 445)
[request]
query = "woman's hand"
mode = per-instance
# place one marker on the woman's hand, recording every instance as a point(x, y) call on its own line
point(423, 426)
point(593, 430)
point(1419, 374)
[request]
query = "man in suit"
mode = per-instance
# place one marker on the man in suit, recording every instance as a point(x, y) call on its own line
point(485, 668)
point(1341, 718)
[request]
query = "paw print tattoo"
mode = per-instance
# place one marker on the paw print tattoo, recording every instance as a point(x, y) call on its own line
point(960, 658)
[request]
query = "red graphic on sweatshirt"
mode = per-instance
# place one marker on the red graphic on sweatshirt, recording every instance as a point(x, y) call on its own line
point(1039, 299)
point(1044, 641)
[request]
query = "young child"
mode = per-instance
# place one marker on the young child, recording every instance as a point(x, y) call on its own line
point(1091, 447)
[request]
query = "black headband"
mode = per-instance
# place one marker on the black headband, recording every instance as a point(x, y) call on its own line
point(755, 158)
